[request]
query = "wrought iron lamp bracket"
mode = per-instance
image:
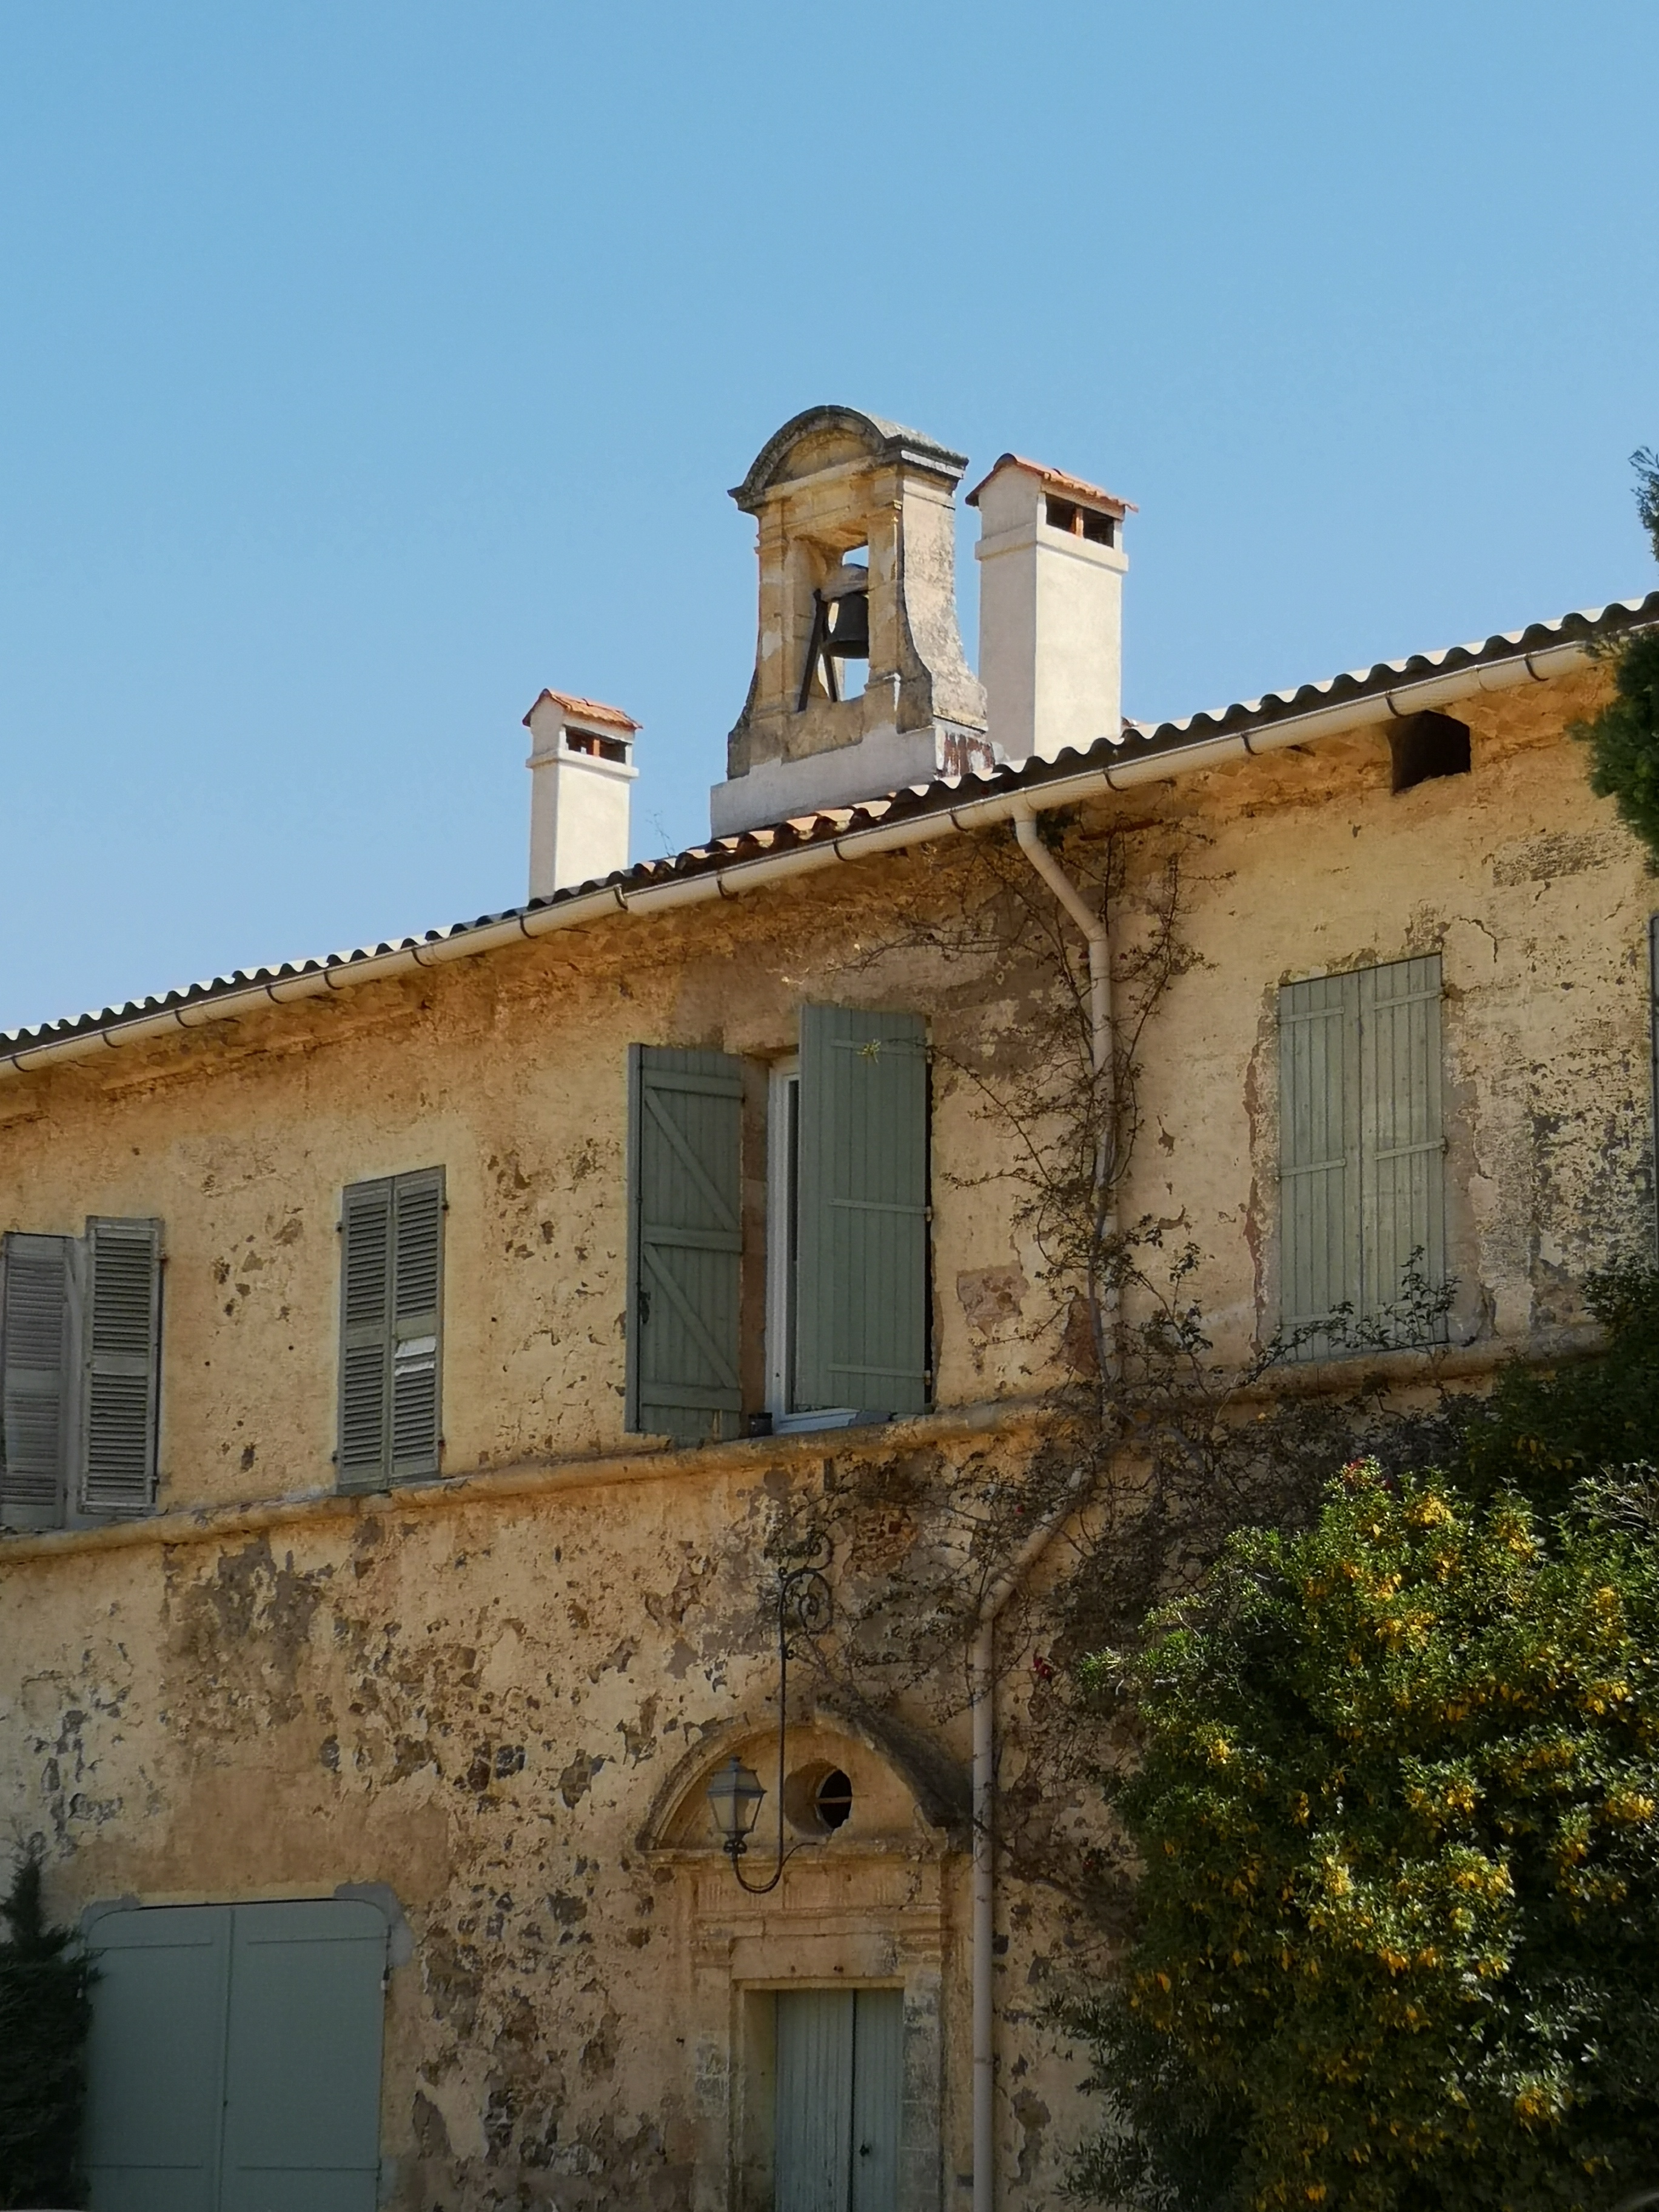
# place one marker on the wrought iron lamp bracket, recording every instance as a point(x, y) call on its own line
point(804, 1604)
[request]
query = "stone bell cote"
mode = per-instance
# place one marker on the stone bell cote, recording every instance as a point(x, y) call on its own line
point(860, 685)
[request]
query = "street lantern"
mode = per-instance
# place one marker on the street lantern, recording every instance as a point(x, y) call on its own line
point(734, 1796)
point(802, 1604)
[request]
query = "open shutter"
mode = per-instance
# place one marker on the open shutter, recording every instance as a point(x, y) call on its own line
point(1653, 1040)
point(861, 1280)
point(36, 1389)
point(365, 1334)
point(1401, 1142)
point(121, 1364)
point(417, 1214)
point(1319, 1152)
point(686, 1243)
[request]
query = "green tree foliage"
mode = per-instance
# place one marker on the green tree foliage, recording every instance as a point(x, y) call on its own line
point(1398, 1812)
point(1542, 1433)
point(45, 2010)
point(1624, 738)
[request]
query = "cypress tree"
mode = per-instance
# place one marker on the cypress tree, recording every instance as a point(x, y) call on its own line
point(46, 2011)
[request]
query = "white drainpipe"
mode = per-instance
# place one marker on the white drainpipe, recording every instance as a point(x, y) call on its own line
point(982, 1660)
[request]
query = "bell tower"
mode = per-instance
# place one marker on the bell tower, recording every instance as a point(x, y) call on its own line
point(860, 685)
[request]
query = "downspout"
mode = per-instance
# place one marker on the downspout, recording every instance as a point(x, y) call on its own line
point(982, 1657)
point(982, 1693)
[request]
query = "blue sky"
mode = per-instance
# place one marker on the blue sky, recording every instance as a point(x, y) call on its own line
point(366, 366)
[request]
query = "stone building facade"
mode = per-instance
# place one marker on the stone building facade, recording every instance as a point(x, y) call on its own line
point(370, 1722)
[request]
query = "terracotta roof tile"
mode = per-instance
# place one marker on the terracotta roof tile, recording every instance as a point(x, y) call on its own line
point(587, 710)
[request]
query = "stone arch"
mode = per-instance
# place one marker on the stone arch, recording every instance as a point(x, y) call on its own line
point(906, 1789)
point(819, 437)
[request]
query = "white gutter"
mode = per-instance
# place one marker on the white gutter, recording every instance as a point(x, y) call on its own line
point(742, 876)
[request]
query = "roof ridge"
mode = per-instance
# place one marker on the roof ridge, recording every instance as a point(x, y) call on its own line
point(826, 824)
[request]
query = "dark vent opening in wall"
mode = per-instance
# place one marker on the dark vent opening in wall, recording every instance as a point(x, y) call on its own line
point(1099, 529)
point(1426, 745)
point(1060, 514)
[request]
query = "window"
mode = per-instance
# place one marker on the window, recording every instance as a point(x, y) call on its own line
point(234, 2059)
point(80, 1374)
point(847, 1257)
point(1361, 1149)
point(391, 1329)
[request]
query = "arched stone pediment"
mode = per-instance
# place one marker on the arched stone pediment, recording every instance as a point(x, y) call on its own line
point(824, 437)
point(905, 1789)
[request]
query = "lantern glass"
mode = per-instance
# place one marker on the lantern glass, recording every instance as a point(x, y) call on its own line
point(734, 1797)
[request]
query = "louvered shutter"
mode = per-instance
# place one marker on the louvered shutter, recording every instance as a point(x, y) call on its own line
point(121, 1362)
point(365, 1334)
point(36, 1378)
point(391, 1324)
point(1401, 1145)
point(861, 1266)
point(1319, 1151)
point(686, 1243)
point(417, 1213)
point(1653, 1039)
point(1362, 1176)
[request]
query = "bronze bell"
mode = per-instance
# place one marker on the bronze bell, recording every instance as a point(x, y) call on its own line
point(849, 633)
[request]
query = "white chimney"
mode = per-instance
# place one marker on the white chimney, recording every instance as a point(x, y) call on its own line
point(581, 763)
point(1050, 609)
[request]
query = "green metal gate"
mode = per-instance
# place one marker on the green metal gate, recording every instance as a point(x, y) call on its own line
point(839, 2076)
point(234, 2064)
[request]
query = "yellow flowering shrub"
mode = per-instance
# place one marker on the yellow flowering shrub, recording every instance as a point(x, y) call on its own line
point(1397, 1806)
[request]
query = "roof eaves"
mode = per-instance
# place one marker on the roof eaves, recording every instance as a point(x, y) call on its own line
point(945, 795)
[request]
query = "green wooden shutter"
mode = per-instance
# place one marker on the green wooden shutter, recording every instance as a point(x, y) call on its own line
point(861, 1265)
point(1401, 1143)
point(417, 1211)
point(391, 1325)
point(36, 1378)
point(303, 2073)
point(1653, 1040)
point(1319, 1151)
point(121, 1366)
point(878, 2098)
point(812, 2131)
point(684, 1243)
point(1362, 1172)
point(156, 2058)
point(365, 1334)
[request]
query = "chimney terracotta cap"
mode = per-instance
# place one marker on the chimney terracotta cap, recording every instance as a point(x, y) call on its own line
point(586, 710)
point(1055, 480)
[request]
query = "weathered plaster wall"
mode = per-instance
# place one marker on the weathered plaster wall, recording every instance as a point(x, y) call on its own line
point(1537, 899)
point(480, 1706)
point(475, 1700)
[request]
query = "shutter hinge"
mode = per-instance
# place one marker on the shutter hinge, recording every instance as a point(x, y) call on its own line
point(927, 1212)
